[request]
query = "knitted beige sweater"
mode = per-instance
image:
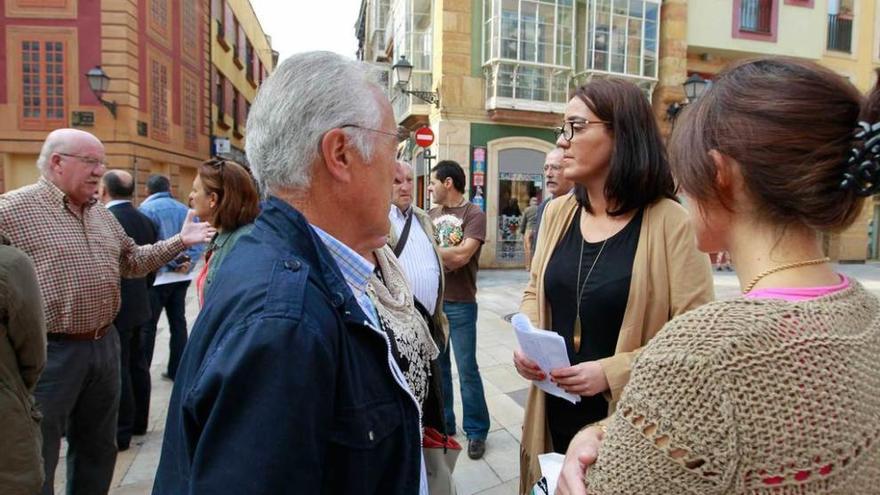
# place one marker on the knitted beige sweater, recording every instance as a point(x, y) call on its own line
point(752, 396)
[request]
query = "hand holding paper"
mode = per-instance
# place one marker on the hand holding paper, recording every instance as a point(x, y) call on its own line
point(545, 348)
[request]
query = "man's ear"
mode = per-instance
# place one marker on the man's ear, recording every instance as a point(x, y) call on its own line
point(337, 155)
point(447, 183)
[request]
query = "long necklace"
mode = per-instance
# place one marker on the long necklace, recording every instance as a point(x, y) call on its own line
point(779, 268)
point(580, 292)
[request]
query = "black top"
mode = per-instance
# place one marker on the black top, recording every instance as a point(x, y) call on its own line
point(603, 304)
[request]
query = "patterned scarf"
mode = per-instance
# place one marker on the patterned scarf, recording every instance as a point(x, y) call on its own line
point(408, 330)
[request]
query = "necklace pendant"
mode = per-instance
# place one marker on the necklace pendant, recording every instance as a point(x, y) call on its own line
point(577, 334)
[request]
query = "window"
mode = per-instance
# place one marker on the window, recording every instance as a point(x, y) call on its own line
point(190, 30)
point(220, 97)
point(755, 19)
point(235, 108)
point(413, 38)
point(377, 22)
point(840, 25)
point(236, 46)
point(755, 16)
point(242, 42)
point(159, 94)
point(249, 63)
point(528, 48)
point(622, 37)
point(218, 11)
point(189, 110)
point(43, 83)
point(160, 21)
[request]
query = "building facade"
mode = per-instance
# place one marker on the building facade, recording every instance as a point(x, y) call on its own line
point(503, 70)
point(155, 53)
point(241, 58)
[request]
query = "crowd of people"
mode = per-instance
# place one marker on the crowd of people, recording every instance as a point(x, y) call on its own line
point(330, 304)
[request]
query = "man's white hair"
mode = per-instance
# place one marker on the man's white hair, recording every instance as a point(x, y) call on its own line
point(53, 143)
point(308, 95)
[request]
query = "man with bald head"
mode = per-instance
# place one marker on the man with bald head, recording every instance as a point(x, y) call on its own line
point(115, 192)
point(79, 251)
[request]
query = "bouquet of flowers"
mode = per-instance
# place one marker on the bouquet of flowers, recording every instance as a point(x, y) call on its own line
point(448, 230)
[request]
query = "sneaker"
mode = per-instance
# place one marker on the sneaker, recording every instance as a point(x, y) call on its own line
point(476, 448)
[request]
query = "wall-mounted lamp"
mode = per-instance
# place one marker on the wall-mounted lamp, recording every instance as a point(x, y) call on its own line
point(402, 72)
point(694, 87)
point(99, 81)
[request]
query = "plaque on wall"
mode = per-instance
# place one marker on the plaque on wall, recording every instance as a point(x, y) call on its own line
point(141, 128)
point(82, 119)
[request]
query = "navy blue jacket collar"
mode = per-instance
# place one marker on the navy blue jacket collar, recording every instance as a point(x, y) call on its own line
point(287, 224)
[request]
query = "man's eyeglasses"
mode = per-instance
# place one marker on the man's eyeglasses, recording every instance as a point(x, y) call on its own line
point(572, 126)
point(552, 166)
point(85, 159)
point(402, 133)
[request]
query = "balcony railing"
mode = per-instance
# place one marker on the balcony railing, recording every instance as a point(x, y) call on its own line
point(839, 33)
point(755, 16)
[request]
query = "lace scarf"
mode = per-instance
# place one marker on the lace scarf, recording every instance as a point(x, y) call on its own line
point(400, 319)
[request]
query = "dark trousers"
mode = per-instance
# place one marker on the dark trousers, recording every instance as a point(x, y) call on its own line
point(78, 394)
point(134, 402)
point(171, 298)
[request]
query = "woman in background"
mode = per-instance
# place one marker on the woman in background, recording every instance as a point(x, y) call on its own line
point(225, 195)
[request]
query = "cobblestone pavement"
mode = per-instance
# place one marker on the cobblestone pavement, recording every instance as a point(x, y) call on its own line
point(496, 473)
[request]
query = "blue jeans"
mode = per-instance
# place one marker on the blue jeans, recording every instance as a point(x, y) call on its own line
point(463, 338)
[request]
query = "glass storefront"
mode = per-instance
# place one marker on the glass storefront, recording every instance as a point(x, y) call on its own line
point(520, 178)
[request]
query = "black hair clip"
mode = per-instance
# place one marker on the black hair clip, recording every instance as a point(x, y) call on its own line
point(863, 166)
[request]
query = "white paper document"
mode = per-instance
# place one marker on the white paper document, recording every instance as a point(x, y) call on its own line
point(545, 348)
point(551, 468)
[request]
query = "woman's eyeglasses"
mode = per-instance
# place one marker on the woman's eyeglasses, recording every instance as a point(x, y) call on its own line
point(569, 128)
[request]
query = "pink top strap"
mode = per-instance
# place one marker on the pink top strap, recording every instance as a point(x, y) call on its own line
point(798, 293)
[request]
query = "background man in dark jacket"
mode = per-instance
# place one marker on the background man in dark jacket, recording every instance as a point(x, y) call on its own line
point(286, 385)
point(116, 191)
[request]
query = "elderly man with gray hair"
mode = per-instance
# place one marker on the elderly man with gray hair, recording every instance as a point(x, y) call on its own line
point(288, 383)
point(80, 251)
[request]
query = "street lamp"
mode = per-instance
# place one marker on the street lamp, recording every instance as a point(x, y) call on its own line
point(402, 72)
point(694, 87)
point(99, 82)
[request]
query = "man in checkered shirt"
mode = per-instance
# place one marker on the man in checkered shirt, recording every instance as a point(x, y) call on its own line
point(80, 251)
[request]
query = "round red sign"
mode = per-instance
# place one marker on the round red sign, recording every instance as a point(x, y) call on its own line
point(424, 137)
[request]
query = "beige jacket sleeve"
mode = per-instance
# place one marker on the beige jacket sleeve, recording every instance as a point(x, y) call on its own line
point(686, 278)
point(673, 431)
point(530, 306)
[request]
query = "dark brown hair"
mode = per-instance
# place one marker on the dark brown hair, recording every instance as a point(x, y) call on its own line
point(237, 200)
point(789, 124)
point(639, 172)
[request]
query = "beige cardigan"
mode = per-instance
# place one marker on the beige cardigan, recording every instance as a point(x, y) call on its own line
point(669, 277)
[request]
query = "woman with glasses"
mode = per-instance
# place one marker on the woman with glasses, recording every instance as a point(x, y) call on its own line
point(777, 391)
point(614, 262)
point(223, 194)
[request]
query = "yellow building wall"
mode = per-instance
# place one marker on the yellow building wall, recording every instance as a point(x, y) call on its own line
point(223, 60)
point(19, 170)
point(710, 25)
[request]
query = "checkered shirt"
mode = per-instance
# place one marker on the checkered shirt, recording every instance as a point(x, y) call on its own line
point(79, 255)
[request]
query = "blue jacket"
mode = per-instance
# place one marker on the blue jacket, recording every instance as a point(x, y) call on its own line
point(282, 387)
point(169, 214)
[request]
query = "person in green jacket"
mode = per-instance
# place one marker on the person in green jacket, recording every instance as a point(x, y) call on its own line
point(22, 358)
point(223, 194)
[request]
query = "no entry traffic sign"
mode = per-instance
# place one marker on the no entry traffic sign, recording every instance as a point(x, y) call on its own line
point(424, 137)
